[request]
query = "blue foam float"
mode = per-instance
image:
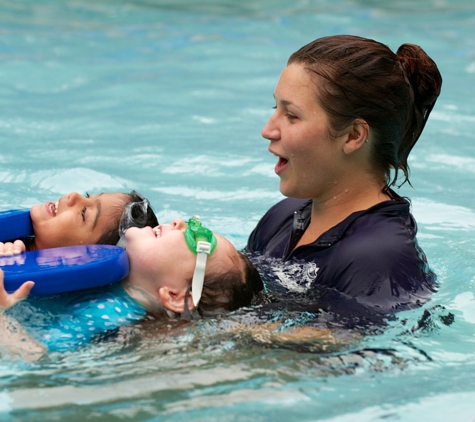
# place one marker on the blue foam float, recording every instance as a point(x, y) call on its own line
point(57, 270)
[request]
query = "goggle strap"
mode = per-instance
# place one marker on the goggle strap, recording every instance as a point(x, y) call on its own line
point(127, 220)
point(122, 241)
point(203, 249)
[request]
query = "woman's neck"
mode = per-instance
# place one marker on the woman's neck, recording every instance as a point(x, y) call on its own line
point(328, 212)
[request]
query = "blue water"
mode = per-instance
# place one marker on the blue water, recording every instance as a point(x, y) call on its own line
point(168, 97)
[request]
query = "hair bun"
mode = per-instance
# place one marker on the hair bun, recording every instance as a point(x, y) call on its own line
point(423, 75)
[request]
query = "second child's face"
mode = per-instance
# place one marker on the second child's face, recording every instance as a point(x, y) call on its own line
point(162, 254)
point(75, 219)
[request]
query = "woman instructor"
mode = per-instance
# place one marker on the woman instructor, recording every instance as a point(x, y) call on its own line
point(348, 112)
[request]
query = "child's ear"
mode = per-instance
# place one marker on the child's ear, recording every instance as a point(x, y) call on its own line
point(174, 300)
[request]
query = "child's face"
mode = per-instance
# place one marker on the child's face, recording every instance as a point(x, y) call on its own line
point(162, 255)
point(75, 219)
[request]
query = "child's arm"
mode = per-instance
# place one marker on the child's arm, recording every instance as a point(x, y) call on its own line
point(14, 341)
point(8, 300)
point(13, 338)
point(12, 248)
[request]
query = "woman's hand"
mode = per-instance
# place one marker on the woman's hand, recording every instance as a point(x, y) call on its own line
point(12, 248)
point(8, 300)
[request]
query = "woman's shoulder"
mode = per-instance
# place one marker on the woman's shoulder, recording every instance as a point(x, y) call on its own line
point(379, 240)
point(388, 226)
point(379, 262)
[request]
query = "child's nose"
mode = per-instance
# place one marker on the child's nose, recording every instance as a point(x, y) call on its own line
point(178, 224)
point(72, 198)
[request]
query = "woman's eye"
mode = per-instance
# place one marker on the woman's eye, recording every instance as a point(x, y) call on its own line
point(87, 195)
point(83, 214)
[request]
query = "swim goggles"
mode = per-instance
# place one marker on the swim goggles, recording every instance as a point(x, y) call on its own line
point(134, 215)
point(201, 242)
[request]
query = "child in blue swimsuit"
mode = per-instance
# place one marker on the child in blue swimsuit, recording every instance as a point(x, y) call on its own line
point(175, 269)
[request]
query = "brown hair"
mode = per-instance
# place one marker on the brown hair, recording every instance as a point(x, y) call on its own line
point(393, 93)
point(232, 290)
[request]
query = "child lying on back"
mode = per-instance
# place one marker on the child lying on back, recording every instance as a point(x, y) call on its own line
point(75, 220)
point(178, 269)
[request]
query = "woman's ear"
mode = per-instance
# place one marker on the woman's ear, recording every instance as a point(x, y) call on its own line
point(174, 300)
point(357, 136)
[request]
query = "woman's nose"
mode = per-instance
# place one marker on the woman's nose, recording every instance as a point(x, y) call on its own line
point(270, 130)
point(178, 224)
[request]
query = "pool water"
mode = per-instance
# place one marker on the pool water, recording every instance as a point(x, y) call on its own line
point(168, 98)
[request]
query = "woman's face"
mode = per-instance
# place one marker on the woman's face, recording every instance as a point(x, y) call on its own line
point(75, 219)
point(162, 255)
point(309, 159)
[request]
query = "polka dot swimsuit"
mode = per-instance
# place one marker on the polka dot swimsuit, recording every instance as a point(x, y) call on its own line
point(71, 320)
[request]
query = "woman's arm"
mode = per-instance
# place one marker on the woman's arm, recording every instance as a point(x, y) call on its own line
point(310, 338)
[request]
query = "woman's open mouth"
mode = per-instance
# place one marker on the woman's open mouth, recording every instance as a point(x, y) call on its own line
point(281, 164)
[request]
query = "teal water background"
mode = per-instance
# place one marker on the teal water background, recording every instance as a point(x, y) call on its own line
point(169, 97)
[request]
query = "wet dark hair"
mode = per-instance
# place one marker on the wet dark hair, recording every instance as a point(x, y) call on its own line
point(393, 93)
point(111, 236)
point(230, 290)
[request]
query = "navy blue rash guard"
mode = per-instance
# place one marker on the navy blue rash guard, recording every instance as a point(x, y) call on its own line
point(372, 255)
